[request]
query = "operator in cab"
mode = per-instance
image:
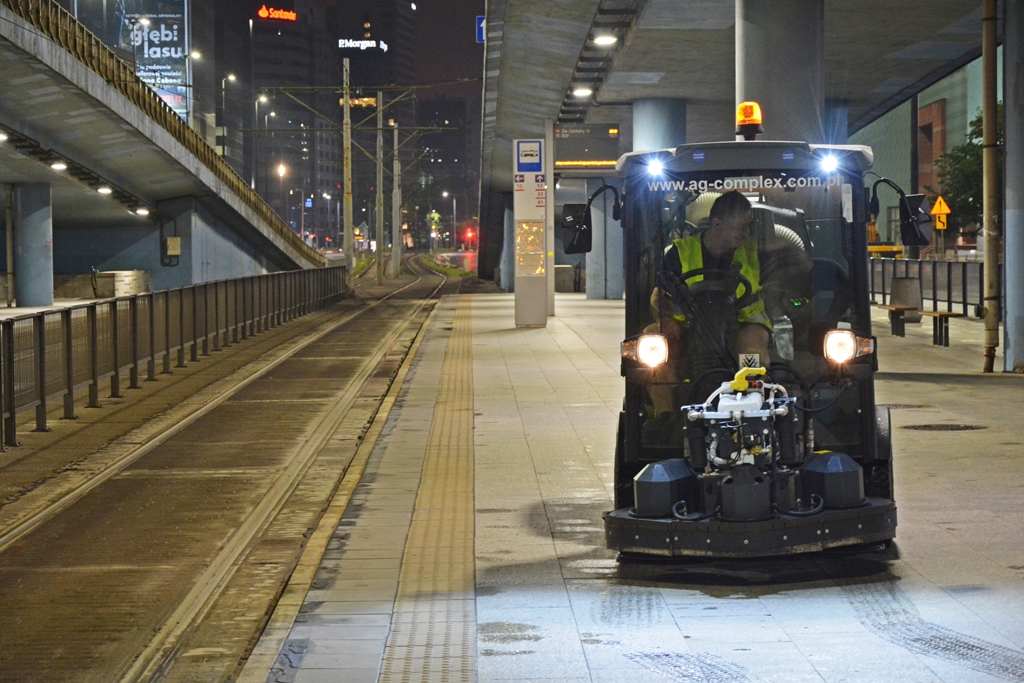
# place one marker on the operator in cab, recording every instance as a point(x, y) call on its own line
point(709, 303)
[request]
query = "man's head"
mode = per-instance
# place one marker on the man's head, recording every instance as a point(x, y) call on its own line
point(729, 223)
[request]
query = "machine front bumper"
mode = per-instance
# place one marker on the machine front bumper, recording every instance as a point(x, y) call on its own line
point(873, 522)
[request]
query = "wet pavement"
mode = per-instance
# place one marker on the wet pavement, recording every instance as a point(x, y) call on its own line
point(166, 564)
point(546, 601)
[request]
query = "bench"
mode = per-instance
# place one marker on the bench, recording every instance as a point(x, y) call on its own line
point(940, 325)
point(896, 314)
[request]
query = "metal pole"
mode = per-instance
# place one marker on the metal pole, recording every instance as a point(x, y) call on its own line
point(349, 243)
point(990, 165)
point(39, 332)
point(380, 189)
point(396, 214)
point(69, 364)
point(133, 318)
point(10, 404)
point(167, 333)
point(9, 204)
point(94, 357)
point(911, 252)
point(115, 324)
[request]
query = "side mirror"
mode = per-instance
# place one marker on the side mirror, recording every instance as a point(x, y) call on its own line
point(577, 228)
point(913, 217)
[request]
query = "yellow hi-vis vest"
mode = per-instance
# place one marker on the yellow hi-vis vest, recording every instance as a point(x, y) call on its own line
point(692, 258)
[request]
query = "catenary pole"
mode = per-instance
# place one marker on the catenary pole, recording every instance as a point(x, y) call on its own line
point(396, 214)
point(990, 166)
point(380, 190)
point(349, 242)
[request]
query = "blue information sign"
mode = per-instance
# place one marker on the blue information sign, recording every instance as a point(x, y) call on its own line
point(480, 23)
point(528, 153)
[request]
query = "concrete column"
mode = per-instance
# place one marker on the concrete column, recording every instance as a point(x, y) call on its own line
point(549, 174)
point(837, 121)
point(780, 64)
point(33, 245)
point(508, 252)
point(1013, 196)
point(658, 124)
point(604, 262)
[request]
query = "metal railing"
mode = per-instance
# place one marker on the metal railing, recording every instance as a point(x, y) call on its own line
point(49, 356)
point(956, 283)
point(61, 27)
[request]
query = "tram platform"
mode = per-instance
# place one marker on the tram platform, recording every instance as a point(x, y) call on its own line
point(465, 542)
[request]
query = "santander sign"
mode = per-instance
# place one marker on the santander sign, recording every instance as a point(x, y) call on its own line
point(286, 15)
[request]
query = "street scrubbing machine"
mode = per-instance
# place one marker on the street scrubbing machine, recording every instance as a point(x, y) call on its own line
point(731, 451)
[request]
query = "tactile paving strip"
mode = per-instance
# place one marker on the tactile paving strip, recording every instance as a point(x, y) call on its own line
point(433, 627)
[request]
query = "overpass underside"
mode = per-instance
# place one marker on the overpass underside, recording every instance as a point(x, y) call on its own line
point(134, 174)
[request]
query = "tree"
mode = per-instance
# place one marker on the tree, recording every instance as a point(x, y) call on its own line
point(960, 174)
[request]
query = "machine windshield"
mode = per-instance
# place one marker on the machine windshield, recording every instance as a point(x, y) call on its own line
point(745, 269)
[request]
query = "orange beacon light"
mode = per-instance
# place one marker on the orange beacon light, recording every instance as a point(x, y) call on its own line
point(748, 120)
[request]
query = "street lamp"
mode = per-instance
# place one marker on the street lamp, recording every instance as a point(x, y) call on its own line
point(137, 38)
point(451, 242)
point(327, 226)
point(223, 98)
point(256, 146)
point(281, 170)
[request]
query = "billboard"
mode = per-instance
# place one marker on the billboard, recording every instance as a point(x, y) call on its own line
point(152, 33)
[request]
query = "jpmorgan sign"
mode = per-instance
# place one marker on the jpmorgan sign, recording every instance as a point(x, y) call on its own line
point(347, 44)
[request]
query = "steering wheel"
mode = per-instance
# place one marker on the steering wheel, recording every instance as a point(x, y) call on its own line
point(732, 277)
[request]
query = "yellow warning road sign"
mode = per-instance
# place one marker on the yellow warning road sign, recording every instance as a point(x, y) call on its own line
point(940, 221)
point(940, 207)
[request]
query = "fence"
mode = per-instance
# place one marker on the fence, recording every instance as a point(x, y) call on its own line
point(957, 283)
point(48, 356)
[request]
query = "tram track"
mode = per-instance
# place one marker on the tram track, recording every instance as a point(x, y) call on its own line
point(159, 654)
point(28, 523)
point(163, 648)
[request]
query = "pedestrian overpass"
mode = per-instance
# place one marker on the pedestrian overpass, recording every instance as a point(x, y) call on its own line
point(105, 175)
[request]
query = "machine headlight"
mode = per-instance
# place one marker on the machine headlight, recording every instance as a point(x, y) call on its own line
point(829, 163)
point(655, 167)
point(843, 345)
point(649, 349)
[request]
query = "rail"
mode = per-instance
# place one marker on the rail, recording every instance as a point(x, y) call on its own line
point(955, 283)
point(51, 355)
point(61, 27)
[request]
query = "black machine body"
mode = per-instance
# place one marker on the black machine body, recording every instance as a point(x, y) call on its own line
point(749, 426)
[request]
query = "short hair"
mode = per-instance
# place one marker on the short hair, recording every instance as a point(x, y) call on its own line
point(728, 204)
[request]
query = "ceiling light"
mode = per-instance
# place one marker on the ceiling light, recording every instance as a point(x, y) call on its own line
point(104, 190)
point(582, 92)
point(606, 39)
point(3, 136)
point(142, 211)
point(58, 166)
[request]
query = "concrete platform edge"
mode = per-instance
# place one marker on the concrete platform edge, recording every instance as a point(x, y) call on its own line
point(275, 634)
